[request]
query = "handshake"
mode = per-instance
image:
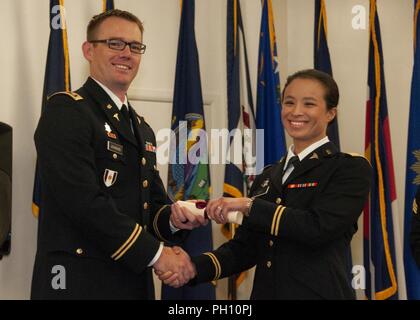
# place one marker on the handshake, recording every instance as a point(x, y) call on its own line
point(174, 267)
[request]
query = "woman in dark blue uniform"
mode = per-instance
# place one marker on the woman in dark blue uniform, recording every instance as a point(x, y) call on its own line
point(302, 212)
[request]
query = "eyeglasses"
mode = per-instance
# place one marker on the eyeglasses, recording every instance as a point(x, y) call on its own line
point(118, 44)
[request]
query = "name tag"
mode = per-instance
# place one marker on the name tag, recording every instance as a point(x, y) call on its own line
point(115, 147)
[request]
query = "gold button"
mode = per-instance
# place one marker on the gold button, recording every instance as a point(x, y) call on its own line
point(115, 156)
point(271, 243)
point(145, 184)
point(79, 251)
point(278, 200)
point(143, 161)
point(269, 264)
point(146, 206)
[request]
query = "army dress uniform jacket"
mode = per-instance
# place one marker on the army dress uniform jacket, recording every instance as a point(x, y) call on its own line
point(104, 207)
point(415, 230)
point(297, 233)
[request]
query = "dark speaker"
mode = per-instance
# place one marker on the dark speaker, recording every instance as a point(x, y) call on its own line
point(6, 142)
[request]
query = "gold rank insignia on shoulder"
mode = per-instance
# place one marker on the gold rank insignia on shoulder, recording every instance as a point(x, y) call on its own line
point(302, 185)
point(75, 96)
point(353, 154)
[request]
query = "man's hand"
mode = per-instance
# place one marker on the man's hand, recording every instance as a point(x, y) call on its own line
point(182, 218)
point(174, 267)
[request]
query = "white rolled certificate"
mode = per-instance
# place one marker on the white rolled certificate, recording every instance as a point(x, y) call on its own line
point(232, 216)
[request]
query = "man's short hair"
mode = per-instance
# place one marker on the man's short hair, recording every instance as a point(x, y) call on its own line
point(98, 19)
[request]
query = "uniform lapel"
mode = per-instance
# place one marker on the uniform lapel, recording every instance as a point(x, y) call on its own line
point(111, 111)
point(135, 119)
point(277, 174)
point(313, 160)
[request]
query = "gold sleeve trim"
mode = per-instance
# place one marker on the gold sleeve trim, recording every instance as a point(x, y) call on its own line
point(155, 223)
point(128, 244)
point(273, 223)
point(276, 233)
point(415, 206)
point(216, 263)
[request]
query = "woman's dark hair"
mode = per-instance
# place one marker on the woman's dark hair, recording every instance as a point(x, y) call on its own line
point(332, 94)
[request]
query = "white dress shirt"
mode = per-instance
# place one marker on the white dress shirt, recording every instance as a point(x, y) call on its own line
point(302, 155)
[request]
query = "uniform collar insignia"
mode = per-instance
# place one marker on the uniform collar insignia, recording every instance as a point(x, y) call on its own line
point(116, 116)
point(314, 156)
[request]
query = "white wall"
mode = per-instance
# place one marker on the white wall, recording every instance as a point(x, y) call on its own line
point(25, 33)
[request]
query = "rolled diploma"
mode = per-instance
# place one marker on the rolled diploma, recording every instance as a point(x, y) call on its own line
point(232, 217)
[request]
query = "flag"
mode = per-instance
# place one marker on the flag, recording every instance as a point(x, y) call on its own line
point(412, 272)
point(188, 173)
point(268, 89)
point(238, 174)
point(322, 60)
point(382, 241)
point(108, 5)
point(57, 75)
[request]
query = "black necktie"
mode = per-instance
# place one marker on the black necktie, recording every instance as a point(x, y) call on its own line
point(126, 115)
point(293, 161)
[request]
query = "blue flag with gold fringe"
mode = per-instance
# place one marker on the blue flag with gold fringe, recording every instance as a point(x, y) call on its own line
point(382, 242)
point(188, 172)
point(268, 89)
point(412, 271)
point(239, 175)
point(322, 59)
point(57, 74)
point(108, 5)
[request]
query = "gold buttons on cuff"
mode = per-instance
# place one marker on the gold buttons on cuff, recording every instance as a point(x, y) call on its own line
point(145, 184)
point(143, 161)
point(271, 243)
point(79, 251)
point(115, 156)
point(278, 201)
point(268, 264)
point(145, 206)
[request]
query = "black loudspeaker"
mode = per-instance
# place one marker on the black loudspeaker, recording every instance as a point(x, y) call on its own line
point(6, 149)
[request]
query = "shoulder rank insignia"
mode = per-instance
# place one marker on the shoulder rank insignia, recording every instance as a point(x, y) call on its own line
point(75, 96)
point(353, 154)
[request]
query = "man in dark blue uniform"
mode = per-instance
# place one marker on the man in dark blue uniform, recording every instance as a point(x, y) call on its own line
point(302, 211)
point(105, 213)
